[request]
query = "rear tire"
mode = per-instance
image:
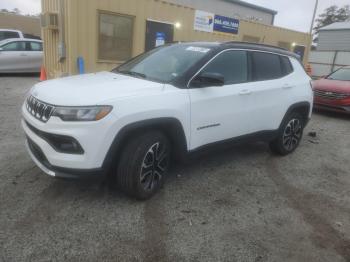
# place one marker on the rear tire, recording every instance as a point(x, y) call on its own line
point(289, 135)
point(143, 165)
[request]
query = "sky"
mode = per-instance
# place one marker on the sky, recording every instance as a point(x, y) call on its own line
point(296, 14)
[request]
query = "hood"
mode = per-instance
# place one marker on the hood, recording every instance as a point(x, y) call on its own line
point(332, 85)
point(92, 89)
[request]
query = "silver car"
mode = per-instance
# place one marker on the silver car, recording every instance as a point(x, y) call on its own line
point(21, 55)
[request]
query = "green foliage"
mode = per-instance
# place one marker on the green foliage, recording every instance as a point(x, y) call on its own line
point(331, 15)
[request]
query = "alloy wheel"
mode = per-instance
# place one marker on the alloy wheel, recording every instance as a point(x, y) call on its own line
point(292, 134)
point(154, 165)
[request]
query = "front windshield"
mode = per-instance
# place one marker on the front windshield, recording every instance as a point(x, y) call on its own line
point(342, 74)
point(163, 64)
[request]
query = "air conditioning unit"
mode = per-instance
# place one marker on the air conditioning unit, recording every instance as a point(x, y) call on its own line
point(49, 21)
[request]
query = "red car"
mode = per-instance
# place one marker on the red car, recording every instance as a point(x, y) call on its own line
point(333, 92)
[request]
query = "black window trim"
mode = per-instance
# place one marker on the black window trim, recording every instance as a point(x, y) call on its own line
point(250, 65)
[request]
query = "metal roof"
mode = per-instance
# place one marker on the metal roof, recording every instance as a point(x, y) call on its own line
point(337, 26)
point(257, 7)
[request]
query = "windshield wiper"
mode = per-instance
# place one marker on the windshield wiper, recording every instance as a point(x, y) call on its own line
point(133, 73)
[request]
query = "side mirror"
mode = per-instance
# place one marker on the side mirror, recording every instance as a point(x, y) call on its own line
point(208, 79)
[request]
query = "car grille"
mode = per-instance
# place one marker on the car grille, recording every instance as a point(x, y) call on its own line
point(38, 109)
point(330, 95)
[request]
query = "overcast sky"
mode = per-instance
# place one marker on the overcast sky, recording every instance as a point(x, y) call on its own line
point(296, 14)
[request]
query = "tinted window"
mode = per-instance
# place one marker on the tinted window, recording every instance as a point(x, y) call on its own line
point(6, 35)
point(14, 46)
point(266, 66)
point(35, 46)
point(233, 65)
point(286, 65)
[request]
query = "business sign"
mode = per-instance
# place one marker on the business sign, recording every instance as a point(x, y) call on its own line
point(226, 24)
point(204, 21)
point(208, 22)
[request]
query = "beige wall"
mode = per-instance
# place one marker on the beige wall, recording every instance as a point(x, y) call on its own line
point(26, 24)
point(82, 27)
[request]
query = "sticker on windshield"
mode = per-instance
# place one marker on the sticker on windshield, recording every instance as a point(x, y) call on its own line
point(198, 49)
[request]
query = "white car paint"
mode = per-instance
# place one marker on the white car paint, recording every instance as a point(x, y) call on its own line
point(20, 60)
point(237, 110)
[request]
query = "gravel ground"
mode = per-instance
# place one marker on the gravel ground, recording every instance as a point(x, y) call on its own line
point(241, 204)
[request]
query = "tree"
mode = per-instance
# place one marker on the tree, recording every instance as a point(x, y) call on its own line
point(331, 15)
point(4, 10)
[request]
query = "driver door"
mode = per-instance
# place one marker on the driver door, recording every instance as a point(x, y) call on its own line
point(220, 112)
point(13, 57)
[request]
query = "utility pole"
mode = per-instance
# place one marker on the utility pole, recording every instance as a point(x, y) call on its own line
point(313, 17)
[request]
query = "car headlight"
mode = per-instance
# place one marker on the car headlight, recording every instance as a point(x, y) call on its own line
point(93, 113)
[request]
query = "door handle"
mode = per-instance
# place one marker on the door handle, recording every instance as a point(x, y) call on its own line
point(245, 92)
point(23, 55)
point(287, 86)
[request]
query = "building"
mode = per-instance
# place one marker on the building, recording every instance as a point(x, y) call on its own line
point(27, 24)
point(105, 33)
point(334, 37)
point(232, 8)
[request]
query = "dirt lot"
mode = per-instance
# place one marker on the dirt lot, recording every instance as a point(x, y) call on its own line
point(242, 204)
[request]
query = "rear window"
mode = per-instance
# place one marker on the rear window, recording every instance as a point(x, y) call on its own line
point(266, 66)
point(35, 46)
point(8, 34)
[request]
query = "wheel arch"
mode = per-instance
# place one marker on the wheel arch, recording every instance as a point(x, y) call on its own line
point(171, 127)
point(303, 108)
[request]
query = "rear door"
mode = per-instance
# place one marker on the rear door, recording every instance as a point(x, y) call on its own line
point(34, 50)
point(273, 87)
point(13, 57)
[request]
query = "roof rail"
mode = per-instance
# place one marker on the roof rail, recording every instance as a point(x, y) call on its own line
point(256, 44)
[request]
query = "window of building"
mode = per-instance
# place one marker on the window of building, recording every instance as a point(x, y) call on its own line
point(14, 46)
point(284, 45)
point(266, 66)
point(233, 65)
point(251, 39)
point(115, 37)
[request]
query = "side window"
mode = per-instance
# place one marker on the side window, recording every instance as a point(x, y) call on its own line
point(14, 46)
point(36, 46)
point(233, 65)
point(286, 65)
point(266, 66)
point(8, 34)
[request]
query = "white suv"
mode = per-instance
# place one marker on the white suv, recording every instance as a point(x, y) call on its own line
point(168, 103)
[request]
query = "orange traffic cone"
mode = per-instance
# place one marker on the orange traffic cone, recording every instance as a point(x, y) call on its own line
point(43, 74)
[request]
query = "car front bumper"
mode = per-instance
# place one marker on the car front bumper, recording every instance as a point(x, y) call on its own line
point(94, 137)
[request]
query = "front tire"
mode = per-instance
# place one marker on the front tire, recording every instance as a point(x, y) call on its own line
point(143, 165)
point(289, 135)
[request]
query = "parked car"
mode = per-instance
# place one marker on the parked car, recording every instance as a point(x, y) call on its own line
point(333, 92)
point(21, 55)
point(171, 102)
point(9, 33)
